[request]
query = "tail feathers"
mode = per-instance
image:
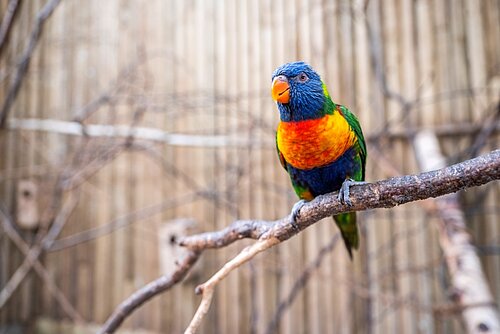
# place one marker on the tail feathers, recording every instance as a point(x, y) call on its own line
point(349, 230)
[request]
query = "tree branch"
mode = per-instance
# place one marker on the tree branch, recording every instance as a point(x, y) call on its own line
point(382, 194)
point(149, 291)
point(15, 237)
point(36, 251)
point(468, 283)
point(7, 21)
point(240, 229)
point(300, 283)
point(23, 64)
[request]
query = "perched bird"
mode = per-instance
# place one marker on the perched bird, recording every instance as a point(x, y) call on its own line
point(320, 143)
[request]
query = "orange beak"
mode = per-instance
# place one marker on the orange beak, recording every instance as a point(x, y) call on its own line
point(280, 90)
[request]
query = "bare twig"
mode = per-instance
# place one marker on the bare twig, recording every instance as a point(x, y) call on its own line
point(7, 21)
point(119, 223)
point(207, 288)
point(487, 129)
point(125, 76)
point(35, 252)
point(300, 283)
point(382, 194)
point(14, 236)
point(149, 291)
point(23, 64)
point(208, 194)
point(485, 250)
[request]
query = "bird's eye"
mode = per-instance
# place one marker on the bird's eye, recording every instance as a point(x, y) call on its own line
point(302, 77)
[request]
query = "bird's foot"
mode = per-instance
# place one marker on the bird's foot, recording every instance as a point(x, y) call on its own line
point(343, 196)
point(295, 213)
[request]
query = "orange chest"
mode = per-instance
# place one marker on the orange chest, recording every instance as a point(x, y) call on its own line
point(314, 143)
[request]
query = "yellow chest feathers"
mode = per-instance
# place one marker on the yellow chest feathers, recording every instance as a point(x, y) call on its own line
point(314, 143)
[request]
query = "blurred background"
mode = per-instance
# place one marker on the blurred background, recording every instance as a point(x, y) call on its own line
point(127, 124)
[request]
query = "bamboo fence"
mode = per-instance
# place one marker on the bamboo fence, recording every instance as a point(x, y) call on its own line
point(157, 116)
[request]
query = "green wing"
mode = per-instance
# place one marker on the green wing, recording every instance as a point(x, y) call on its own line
point(329, 108)
point(347, 221)
point(354, 123)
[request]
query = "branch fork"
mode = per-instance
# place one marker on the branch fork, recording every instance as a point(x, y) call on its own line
point(381, 194)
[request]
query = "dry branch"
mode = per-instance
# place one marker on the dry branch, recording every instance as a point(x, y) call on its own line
point(207, 288)
point(25, 60)
point(7, 21)
point(149, 291)
point(240, 229)
point(382, 194)
point(468, 283)
point(119, 223)
point(36, 251)
point(13, 235)
point(300, 284)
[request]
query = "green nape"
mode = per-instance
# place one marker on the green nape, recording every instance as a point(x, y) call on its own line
point(349, 230)
point(328, 106)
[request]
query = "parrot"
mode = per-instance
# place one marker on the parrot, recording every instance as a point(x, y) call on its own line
point(320, 143)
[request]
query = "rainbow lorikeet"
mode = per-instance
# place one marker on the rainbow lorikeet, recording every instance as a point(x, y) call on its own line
point(320, 143)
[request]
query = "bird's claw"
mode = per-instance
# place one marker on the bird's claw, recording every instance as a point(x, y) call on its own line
point(295, 213)
point(343, 195)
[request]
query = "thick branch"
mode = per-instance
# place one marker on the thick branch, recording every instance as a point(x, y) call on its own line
point(240, 229)
point(382, 194)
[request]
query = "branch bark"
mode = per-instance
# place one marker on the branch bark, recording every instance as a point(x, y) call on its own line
point(382, 194)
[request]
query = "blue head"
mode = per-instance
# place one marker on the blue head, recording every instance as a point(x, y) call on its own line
point(298, 92)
